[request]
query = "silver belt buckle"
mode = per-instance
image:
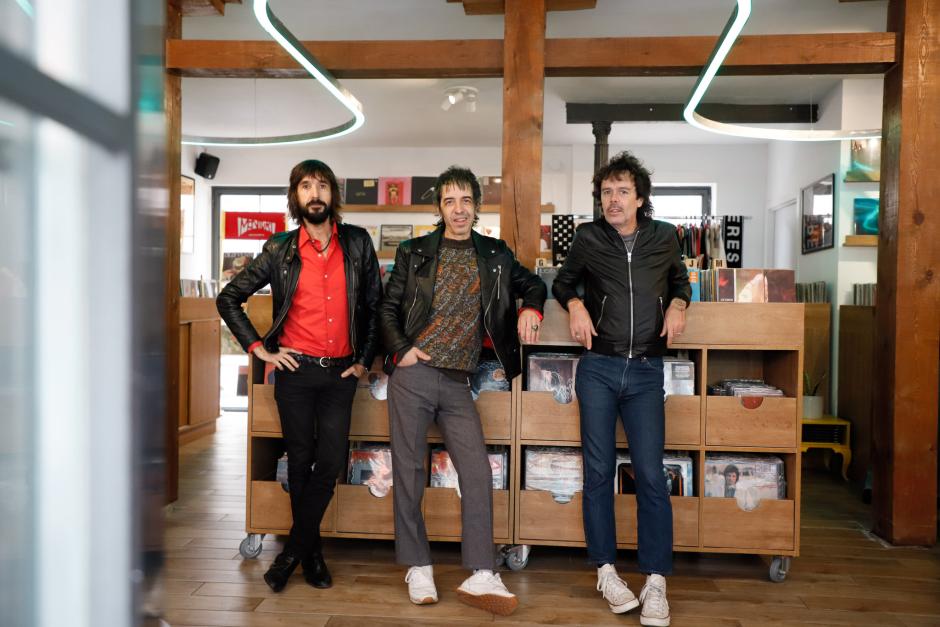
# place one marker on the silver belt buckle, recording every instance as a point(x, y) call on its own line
point(322, 360)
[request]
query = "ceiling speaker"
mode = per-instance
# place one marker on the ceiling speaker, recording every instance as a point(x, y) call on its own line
point(206, 165)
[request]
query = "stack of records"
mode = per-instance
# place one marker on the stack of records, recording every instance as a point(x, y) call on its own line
point(444, 475)
point(555, 469)
point(744, 387)
point(745, 477)
point(371, 465)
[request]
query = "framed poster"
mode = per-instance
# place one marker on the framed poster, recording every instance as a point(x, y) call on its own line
point(187, 214)
point(817, 203)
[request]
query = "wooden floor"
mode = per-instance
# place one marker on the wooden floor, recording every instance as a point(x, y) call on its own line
point(843, 577)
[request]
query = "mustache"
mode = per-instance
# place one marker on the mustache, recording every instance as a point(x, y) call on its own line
point(315, 203)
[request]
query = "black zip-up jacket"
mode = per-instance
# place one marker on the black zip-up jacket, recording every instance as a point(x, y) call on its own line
point(626, 295)
point(279, 265)
point(410, 293)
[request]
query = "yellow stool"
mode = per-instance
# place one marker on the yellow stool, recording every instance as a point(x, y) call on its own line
point(832, 434)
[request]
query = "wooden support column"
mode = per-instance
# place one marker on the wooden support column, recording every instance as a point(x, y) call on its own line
point(908, 301)
point(172, 84)
point(523, 103)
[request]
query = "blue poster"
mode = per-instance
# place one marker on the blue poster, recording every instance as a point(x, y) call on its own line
point(866, 216)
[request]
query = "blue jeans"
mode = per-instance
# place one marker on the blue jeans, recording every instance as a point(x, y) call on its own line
point(633, 388)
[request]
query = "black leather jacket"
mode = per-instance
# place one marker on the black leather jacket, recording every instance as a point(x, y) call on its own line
point(410, 293)
point(279, 265)
point(626, 295)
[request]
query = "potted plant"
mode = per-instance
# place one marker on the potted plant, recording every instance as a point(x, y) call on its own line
point(812, 404)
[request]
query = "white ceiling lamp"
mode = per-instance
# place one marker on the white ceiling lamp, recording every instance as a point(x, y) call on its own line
point(273, 26)
point(739, 17)
point(460, 93)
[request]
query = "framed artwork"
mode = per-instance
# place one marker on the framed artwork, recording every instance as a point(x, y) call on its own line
point(817, 203)
point(864, 161)
point(865, 214)
point(187, 214)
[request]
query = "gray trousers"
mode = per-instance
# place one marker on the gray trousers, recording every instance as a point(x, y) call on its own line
point(418, 395)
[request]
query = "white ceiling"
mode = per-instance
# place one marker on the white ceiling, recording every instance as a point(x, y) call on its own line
point(406, 112)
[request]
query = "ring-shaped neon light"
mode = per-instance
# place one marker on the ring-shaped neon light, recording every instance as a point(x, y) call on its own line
point(733, 28)
point(280, 33)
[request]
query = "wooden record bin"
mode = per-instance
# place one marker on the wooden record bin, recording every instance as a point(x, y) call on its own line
point(354, 512)
point(724, 340)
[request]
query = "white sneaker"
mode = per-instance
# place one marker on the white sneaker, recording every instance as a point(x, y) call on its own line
point(615, 590)
point(484, 589)
point(655, 607)
point(421, 589)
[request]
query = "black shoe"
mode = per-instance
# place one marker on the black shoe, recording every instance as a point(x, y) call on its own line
point(316, 573)
point(280, 571)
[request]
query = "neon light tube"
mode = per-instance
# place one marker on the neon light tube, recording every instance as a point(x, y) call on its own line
point(280, 33)
point(733, 28)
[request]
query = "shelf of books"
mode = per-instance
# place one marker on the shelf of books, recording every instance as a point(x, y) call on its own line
point(732, 466)
point(733, 399)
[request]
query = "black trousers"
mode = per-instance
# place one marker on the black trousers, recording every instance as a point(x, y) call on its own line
point(315, 405)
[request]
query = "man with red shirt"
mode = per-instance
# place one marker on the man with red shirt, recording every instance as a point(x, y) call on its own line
point(324, 279)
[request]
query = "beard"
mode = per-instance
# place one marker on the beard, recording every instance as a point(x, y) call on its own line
point(316, 213)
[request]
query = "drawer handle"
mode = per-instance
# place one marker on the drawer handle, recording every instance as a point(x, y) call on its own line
point(752, 402)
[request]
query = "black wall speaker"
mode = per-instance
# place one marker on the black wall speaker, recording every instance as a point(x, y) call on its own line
point(206, 165)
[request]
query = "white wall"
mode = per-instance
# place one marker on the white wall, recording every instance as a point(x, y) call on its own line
point(247, 167)
point(739, 172)
point(197, 264)
point(853, 105)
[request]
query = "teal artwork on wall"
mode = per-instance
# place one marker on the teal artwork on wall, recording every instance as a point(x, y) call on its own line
point(866, 216)
point(865, 161)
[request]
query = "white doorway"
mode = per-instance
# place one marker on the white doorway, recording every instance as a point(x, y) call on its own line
point(785, 236)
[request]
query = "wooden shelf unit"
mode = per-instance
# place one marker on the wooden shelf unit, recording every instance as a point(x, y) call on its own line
point(861, 240)
point(354, 512)
point(200, 358)
point(723, 339)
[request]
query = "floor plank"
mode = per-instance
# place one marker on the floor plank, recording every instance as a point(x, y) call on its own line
point(844, 575)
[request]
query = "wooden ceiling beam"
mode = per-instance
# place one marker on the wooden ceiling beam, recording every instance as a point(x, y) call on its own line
point(827, 53)
point(203, 7)
point(589, 113)
point(498, 7)
point(823, 53)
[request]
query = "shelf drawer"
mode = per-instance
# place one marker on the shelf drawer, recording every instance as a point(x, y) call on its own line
point(751, 421)
point(544, 418)
point(264, 416)
point(495, 409)
point(270, 508)
point(357, 511)
point(496, 415)
point(543, 518)
point(442, 513)
point(684, 519)
point(683, 424)
point(369, 417)
point(769, 527)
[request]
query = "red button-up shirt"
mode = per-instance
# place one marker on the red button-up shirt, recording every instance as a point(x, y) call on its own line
point(317, 322)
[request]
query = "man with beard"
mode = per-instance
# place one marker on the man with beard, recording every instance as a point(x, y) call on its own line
point(451, 291)
point(324, 279)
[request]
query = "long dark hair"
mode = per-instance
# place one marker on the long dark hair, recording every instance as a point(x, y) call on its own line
point(317, 169)
point(625, 163)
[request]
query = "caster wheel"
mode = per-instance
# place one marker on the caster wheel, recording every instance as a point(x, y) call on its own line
point(517, 557)
point(250, 548)
point(779, 567)
point(500, 555)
